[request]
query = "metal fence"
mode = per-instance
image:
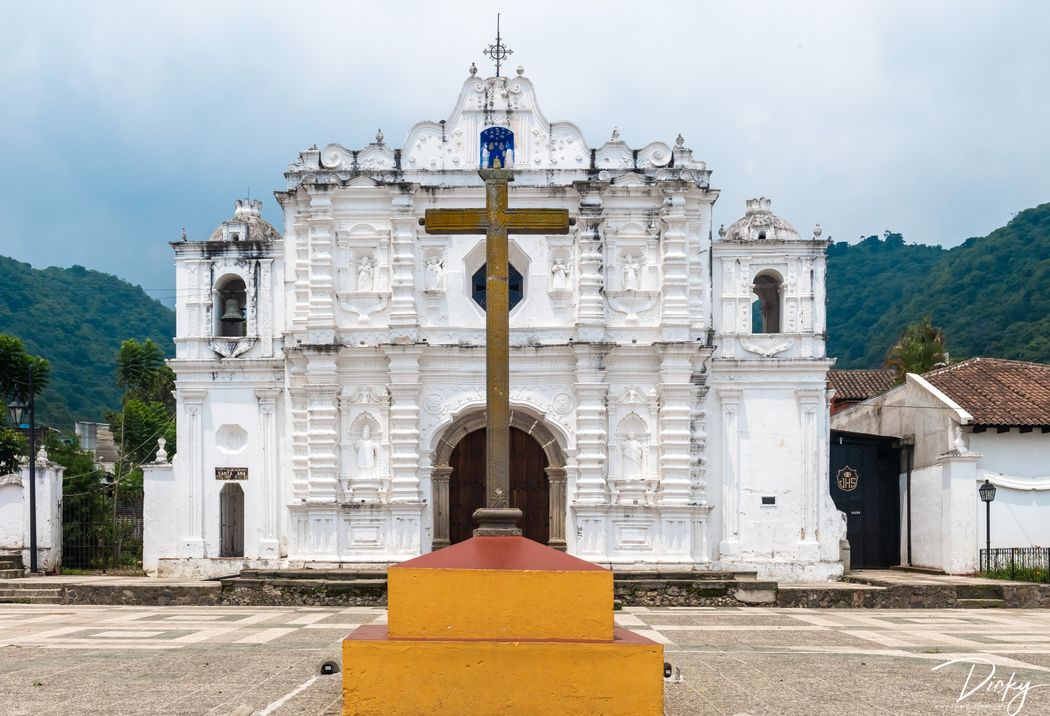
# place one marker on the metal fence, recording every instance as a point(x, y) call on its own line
point(102, 531)
point(1026, 564)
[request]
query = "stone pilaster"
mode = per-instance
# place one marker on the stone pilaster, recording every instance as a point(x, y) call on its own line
point(299, 420)
point(676, 396)
point(558, 506)
point(193, 447)
point(698, 444)
point(675, 289)
point(591, 313)
point(404, 318)
point(811, 404)
point(322, 429)
point(323, 439)
point(591, 420)
point(320, 323)
point(404, 423)
point(439, 489)
point(730, 544)
point(271, 510)
point(266, 307)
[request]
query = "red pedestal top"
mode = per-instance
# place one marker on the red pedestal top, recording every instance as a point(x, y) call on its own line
point(500, 553)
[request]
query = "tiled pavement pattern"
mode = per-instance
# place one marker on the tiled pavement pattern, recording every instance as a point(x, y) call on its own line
point(216, 660)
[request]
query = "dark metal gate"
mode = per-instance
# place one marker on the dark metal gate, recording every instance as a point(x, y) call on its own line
point(102, 531)
point(865, 485)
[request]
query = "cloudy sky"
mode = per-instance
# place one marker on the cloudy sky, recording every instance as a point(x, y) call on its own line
point(124, 122)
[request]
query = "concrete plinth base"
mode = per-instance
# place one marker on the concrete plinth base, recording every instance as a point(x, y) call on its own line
point(500, 625)
point(471, 677)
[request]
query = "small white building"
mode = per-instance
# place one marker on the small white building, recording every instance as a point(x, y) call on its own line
point(330, 378)
point(982, 419)
point(15, 536)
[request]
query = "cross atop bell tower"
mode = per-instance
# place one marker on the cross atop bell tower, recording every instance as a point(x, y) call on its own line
point(498, 52)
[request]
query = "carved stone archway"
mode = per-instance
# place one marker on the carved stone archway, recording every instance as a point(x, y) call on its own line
point(475, 420)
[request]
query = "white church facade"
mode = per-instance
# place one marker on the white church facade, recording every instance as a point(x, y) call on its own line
point(331, 378)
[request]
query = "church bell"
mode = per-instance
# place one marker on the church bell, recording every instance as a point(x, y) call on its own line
point(232, 314)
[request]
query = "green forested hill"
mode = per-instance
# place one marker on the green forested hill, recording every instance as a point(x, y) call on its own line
point(77, 319)
point(989, 294)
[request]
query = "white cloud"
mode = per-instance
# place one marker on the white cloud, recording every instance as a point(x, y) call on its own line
point(128, 121)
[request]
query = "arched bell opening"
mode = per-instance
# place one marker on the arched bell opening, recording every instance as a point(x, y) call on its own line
point(231, 302)
point(767, 291)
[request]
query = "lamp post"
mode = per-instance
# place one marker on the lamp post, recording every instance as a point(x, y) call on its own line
point(987, 491)
point(17, 409)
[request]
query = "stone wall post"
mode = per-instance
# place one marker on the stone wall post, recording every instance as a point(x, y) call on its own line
point(439, 494)
point(558, 505)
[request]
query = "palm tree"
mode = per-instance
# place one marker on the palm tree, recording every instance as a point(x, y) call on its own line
point(920, 348)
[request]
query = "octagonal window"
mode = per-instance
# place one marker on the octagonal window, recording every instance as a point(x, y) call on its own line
point(515, 286)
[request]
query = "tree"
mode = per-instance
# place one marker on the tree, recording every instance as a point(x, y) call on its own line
point(16, 367)
point(920, 348)
point(12, 444)
point(147, 408)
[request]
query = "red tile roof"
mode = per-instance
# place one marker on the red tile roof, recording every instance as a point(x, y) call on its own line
point(996, 391)
point(860, 384)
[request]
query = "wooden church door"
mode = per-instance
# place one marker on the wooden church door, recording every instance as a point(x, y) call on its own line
point(529, 489)
point(231, 520)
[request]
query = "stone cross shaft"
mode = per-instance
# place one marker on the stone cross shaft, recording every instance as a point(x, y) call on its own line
point(496, 222)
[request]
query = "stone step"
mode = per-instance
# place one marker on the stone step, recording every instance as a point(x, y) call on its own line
point(980, 603)
point(22, 594)
point(30, 600)
point(30, 591)
point(979, 591)
point(11, 572)
point(687, 574)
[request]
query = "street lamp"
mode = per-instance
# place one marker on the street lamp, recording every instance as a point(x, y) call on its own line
point(987, 492)
point(17, 409)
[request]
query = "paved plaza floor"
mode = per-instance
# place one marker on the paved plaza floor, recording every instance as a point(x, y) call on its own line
point(243, 660)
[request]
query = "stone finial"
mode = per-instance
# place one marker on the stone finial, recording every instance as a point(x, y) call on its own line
point(521, 71)
point(379, 136)
point(759, 206)
point(247, 207)
point(162, 454)
point(722, 231)
point(959, 443)
point(615, 135)
point(679, 141)
point(817, 231)
point(42, 456)
point(473, 70)
point(183, 238)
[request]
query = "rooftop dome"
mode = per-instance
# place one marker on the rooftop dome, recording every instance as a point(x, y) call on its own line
point(246, 224)
point(759, 224)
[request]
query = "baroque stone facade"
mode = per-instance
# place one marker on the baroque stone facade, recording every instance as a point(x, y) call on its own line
point(326, 375)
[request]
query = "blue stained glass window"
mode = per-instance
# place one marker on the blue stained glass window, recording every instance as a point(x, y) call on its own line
point(515, 286)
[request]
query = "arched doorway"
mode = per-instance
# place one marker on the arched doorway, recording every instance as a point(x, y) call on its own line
point(231, 520)
point(529, 488)
point(552, 469)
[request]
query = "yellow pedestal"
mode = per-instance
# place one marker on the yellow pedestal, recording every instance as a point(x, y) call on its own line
point(500, 625)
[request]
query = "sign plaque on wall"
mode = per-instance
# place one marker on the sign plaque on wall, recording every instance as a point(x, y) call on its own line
point(231, 473)
point(847, 479)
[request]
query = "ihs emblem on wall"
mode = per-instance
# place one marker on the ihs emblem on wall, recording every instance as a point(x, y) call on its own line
point(847, 479)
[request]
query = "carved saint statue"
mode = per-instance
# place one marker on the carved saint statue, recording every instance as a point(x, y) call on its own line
point(631, 269)
point(365, 274)
point(632, 457)
point(435, 274)
point(367, 452)
point(559, 275)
